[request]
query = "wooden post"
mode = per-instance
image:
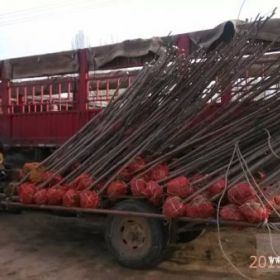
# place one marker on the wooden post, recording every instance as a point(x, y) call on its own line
point(5, 125)
point(226, 95)
point(83, 79)
point(4, 93)
point(184, 44)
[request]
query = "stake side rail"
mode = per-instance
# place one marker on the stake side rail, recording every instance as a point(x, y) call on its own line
point(7, 204)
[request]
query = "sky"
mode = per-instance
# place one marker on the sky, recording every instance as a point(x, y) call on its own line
point(29, 27)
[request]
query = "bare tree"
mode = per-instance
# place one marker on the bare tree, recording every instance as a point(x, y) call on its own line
point(80, 41)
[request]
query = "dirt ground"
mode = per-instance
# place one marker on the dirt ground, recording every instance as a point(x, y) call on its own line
point(37, 246)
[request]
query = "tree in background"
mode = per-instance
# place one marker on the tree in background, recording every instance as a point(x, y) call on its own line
point(80, 41)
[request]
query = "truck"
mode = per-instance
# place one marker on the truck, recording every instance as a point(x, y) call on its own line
point(46, 100)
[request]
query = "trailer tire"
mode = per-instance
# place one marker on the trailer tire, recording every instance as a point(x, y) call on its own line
point(136, 242)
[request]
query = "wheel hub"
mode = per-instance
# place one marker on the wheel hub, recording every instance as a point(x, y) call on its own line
point(133, 234)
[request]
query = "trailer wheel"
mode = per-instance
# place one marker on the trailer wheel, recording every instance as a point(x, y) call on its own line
point(136, 242)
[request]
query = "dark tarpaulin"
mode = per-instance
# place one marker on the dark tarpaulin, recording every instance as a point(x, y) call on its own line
point(67, 62)
point(226, 30)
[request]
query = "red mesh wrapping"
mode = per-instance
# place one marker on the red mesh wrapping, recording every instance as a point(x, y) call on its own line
point(117, 189)
point(241, 193)
point(200, 177)
point(199, 207)
point(71, 198)
point(21, 173)
point(254, 212)
point(153, 192)
point(50, 175)
point(197, 177)
point(159, 172)
point(180, 186)
point(270, 200)
point(35, 175)
point(26, 193)
point(156, 201)
point(147, 176)
point(138, 186)
point(277, 199)
point(136, 165)
point(55, 195)
point(125, 174)
point(82, 182)
point(89, 199)
point(28, 166)
point(40, 197)
point(99, 186)
point(217, 187)
point(271, 204)
point(231, 212)
point(173, 207)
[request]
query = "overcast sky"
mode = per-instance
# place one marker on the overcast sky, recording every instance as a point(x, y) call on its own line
point(30, 27)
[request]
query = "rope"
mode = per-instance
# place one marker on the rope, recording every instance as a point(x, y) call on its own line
point(218, 218)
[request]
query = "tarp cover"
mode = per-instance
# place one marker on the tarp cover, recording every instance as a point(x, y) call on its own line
point(226, 30)
point(67, 62)
point(128, 48)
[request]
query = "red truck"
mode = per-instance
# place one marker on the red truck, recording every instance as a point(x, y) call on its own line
point(45, 99)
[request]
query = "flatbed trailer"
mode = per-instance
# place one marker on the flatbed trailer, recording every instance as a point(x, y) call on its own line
point(136, 234)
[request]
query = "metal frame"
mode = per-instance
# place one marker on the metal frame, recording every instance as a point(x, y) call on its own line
point(103, 211)
point(35, 114)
